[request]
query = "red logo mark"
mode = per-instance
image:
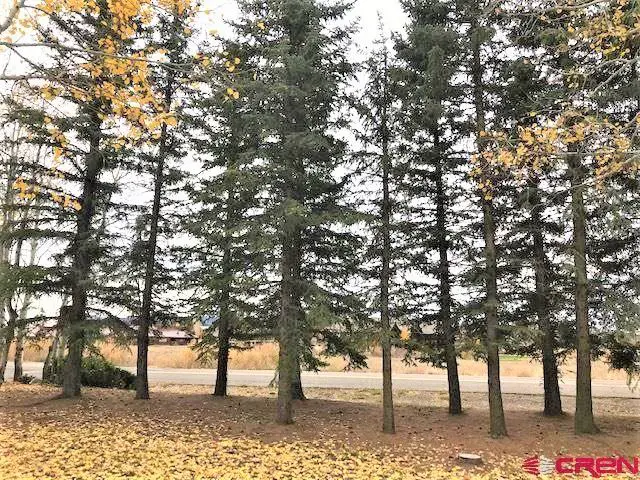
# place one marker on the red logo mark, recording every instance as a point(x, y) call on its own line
point(595, 466)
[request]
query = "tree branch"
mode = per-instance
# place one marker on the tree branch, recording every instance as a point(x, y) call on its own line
point(13, 13)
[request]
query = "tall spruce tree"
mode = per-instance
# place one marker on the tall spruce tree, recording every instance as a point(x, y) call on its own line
point(430, 55)
point(560, 57)
point(303, 52)
point(231, 252)
point(379, 111)
point(172, 37)
point(479, 67)
point(534, 232)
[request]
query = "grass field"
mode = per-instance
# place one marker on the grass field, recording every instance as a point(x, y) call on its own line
point(185, 433)
point(265, 357)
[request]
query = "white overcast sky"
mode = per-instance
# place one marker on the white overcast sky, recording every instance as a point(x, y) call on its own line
point(367, 10)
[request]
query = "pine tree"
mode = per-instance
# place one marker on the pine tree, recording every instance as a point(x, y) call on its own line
point(304, 68)
point(231, 251)
point(379, 111)
point(431, 55)
point(167, 81)
point(526, 92)
point(479, 34)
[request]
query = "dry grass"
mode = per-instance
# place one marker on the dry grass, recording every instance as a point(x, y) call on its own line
point(265, 357)
point(33, 352)
point(260, 357)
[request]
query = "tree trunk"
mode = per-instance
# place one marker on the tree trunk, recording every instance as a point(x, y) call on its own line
point(552, 399)
point(447, 326)
point(59, 356)
point(82, 249)
point(51, 369)
point(287, 339)
point(388, 417)
point(9, 333)
point(142, 374)
point(48, 367)
point(496, 410)
point(222, 368)
point(498, 426)
point(18, 371)
point(288, 324)
point(297, 392)
point(13, 317)
point(584, 421)
point(8, 329)
point(224, 327)
point(22, 320)
point(294, 177)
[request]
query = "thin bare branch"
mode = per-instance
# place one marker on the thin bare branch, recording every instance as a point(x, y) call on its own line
point(13, 14)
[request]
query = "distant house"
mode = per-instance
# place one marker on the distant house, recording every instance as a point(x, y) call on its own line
point(171, 336)
point(164, 335)
point(45, 329)
point(208, 320)
point(161, 335)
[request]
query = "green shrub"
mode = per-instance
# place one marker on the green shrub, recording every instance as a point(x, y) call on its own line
point(96, 372)
point(26, 379)
point(99, 372)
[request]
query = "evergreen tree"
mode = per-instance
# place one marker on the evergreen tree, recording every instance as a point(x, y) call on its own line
point(173, 38)
point(379, 111)
point(480, 33)
point(430, 55)
point(231, 249)
point(535, 230)
point(302, 48)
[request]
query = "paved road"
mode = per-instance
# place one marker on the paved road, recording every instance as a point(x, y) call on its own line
point(356, 380)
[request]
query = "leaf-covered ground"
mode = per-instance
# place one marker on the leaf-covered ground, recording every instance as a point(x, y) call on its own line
point(185, 433)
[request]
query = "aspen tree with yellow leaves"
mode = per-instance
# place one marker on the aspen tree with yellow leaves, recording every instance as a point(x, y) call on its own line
point(20, 276)
point(103, 83)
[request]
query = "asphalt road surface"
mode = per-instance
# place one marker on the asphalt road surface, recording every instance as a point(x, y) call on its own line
point(362, 380)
